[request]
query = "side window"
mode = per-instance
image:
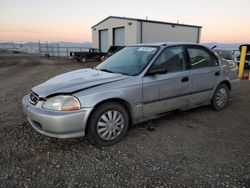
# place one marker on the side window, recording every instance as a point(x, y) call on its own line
point(172, 58)
point(200, 58)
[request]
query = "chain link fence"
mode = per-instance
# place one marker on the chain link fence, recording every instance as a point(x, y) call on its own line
point(44, 49)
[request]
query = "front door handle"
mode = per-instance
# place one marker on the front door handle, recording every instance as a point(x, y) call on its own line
point(185, 79)
point(217, 73)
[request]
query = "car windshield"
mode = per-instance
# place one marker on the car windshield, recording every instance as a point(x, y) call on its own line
point(129, 61)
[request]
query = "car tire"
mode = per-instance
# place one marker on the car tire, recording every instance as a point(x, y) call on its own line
point(108, 124)
point(220, 97)
point(84, 59)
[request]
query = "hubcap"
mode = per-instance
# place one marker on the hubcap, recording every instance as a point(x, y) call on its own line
point(110, 125)
point(221, 97)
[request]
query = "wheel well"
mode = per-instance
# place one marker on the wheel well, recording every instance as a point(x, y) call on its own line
point(121, 102)
point(227, 84)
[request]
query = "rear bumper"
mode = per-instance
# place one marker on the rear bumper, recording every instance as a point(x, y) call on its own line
point(54, 123)
point(235, 85)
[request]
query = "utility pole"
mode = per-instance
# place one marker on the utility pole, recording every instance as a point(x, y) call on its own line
point(39, 46)
point(47, 48)
point(58, 53)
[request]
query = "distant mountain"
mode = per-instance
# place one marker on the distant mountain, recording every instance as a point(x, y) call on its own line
point(35, 44)
point(53, 48)
point(226, 46)
point(71, 44)
point(67, 44)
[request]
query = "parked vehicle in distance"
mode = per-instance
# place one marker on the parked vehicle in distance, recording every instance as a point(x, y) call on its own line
point(247, 60)
point(89, 54)
point(111, 51)
point(225, 54)
point(138, 83)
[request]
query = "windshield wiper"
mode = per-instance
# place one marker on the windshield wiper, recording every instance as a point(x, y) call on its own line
point(125, 73)
point(106, 70)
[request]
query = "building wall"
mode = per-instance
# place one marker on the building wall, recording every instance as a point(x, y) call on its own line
point(146, 32)
point(155, 32)
point(130, 27)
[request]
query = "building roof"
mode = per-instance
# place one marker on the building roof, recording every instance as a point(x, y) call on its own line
point(145, 20)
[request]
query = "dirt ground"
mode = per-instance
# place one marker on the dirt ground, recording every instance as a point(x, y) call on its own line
point(195, 148)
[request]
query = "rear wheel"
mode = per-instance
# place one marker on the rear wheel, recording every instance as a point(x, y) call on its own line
point(220, 98)
point(108, 124)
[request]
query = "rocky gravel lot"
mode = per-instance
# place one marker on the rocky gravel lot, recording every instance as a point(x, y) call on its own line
point(195, 148)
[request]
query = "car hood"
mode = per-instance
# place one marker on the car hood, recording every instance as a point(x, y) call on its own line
point(75, 81)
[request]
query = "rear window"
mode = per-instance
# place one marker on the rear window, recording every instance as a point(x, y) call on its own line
point(200, 58)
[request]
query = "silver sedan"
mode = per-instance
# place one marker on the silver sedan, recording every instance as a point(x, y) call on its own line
point(138, 83)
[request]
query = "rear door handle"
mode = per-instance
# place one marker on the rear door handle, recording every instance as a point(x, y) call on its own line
point(217, 73)
point(185, 79)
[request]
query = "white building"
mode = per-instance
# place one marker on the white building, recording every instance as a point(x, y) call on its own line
point(122, 31)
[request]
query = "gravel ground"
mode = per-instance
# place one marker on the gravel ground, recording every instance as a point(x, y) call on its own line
point(195, 148)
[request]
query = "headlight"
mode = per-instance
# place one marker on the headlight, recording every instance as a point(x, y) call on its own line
point(62, 103)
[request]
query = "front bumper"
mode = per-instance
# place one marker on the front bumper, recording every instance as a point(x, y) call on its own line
point(55, 123)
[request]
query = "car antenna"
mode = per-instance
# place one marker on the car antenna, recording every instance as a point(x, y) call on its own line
point(214, 47)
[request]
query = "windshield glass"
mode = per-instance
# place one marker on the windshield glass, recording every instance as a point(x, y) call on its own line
point(129, 61)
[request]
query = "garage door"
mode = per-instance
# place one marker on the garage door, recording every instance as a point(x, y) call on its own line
point(118, 37)
point(103, 40)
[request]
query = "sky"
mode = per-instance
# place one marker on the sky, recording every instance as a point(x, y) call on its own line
point(222, 21)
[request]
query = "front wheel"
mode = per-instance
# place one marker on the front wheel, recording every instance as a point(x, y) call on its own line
point(108, 124)
point(220, 98)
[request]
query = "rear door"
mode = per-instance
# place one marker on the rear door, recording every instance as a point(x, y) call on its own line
point(169, 91)
point(205, 73)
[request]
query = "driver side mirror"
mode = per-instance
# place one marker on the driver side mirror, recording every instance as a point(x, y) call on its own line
point(157, 70)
